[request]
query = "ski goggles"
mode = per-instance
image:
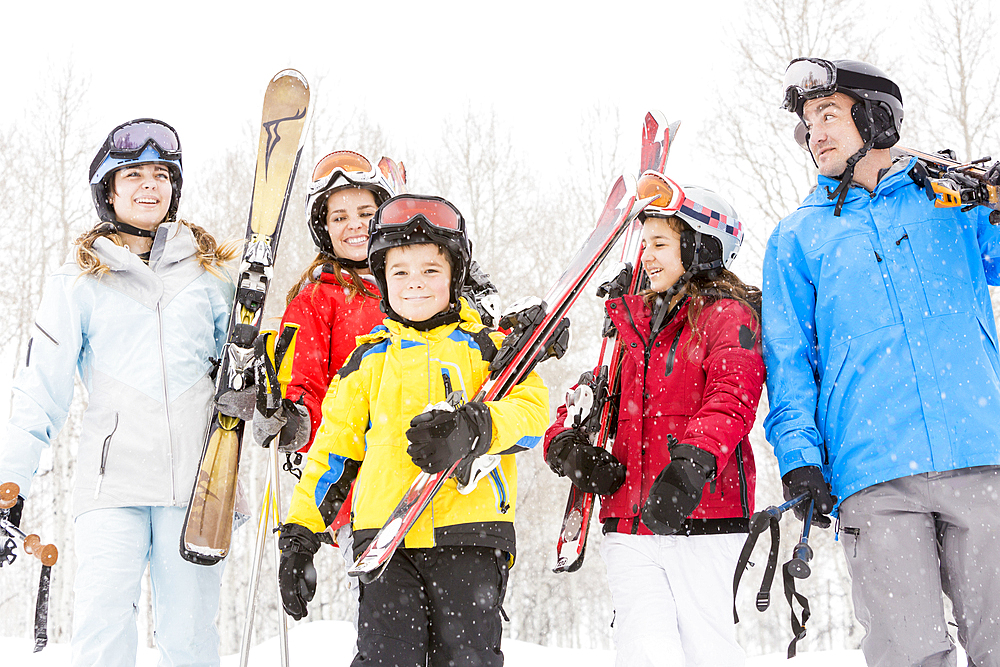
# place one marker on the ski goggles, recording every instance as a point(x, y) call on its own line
point(402, 214)
point(129, 140)
point(346, 162)
point(669, 195)
point(808, 78)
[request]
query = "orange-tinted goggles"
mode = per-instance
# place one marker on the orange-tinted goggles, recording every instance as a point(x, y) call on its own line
point(669, 195)
point(348, 161)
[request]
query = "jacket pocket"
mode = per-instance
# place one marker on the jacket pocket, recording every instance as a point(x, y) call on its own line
point(942, 265)
point(105, 448)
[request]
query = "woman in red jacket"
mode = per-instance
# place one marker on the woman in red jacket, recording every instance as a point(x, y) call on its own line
point(677, 486)
point(336, 299)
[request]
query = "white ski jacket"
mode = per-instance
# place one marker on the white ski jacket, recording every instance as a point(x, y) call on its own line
point(141, 338)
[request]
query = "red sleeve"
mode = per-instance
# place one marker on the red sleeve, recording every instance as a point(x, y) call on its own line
point(555, 428)
point(312, 316)
point(734, 378)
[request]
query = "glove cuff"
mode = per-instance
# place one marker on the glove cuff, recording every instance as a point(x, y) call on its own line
point(696, 455)
point(479, 418)
point(298, 539)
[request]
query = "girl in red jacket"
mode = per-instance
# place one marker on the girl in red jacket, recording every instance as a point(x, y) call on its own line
point(677, 486)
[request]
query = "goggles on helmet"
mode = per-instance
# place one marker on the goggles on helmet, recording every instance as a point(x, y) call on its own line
point(808, 78)
point(353, 168)
point(669, 195)
point(400, 216)
point(131, 139)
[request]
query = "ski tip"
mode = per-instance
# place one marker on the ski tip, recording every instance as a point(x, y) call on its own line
point(294, 73)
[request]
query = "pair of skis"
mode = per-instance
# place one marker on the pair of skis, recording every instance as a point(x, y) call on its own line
point(207, 532)
point(952, 183)
point(592, 406)
point(539, 330)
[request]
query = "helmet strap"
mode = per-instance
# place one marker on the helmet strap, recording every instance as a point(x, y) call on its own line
point(125, 228)
point(840, 192)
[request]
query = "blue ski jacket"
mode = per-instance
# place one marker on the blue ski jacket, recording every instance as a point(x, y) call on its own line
point(879, 339)
point(142, 339)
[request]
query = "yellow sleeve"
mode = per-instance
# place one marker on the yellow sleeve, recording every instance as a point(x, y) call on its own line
point(340, 437)
point(521, 417)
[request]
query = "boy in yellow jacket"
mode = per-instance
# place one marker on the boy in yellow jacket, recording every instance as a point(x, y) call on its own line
point(438, 601)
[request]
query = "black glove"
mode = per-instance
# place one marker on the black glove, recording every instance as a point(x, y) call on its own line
point(439, 438)
point(591, 469)
point(809, 480)
point(296, 574)
point(676, 491)
point(7, 543)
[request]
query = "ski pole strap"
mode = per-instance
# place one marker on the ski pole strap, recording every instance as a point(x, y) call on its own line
point(759, 522)
point(42, 609)
point(798, 624)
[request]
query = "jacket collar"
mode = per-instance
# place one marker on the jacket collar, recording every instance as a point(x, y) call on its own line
point(897, 177)
point(173, 243)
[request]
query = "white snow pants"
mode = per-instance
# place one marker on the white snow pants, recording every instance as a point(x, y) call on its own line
point(113, 548)
point(673, 599)
point(910, 540)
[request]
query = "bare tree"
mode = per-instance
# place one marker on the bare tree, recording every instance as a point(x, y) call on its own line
point(957, 85)
point(753, 136)
point(48, 203)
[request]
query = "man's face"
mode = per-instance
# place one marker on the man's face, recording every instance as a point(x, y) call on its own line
point(833, 137)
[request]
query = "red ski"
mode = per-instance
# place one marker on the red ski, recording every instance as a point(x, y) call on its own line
point(539, 330)
point(657, 136)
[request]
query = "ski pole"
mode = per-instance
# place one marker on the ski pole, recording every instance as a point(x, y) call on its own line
point(275, 524)
point(31, 544)
point(759, 522)
point(798, 566)
point(263, 520)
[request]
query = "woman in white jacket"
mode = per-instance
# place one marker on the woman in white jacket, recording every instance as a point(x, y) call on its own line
point(140, 314)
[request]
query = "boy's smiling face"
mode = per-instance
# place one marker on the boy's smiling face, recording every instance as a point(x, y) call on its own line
point(418, 278)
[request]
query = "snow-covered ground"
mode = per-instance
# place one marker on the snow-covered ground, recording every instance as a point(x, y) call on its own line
point(330, 643)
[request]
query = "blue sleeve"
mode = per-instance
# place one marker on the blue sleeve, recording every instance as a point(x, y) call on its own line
point(989, 244)
point(43, 390)
point(790, 356)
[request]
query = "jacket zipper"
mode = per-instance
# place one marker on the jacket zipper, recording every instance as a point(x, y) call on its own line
point(104, 458)
point(744, 490)
point(166, 404)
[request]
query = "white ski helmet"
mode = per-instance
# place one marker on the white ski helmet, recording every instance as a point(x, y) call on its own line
point(337, 170)
point(714, 232)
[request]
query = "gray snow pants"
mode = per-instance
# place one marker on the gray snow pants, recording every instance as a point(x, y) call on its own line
point(909, 540)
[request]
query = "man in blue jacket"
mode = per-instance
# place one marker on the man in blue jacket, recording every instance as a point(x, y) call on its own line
point(883, 373)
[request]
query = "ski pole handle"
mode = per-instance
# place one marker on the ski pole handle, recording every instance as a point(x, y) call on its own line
point(31, 544)
point(798, 567)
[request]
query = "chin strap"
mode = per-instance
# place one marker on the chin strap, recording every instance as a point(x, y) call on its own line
point(125, 228)
point(349, 263)
point(840, 192)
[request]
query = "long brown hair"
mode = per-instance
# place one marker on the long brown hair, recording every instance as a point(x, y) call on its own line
point(355, 284)
point(703, 289)
point(209, 253)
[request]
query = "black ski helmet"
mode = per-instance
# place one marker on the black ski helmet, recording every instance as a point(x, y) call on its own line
point(877, 115)
point(414, 219)
point(139, 141)
point(335, 171)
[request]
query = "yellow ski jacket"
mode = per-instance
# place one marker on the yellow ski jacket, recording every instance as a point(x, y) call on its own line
point(394, 374)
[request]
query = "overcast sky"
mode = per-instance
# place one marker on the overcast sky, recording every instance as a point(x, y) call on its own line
point(539, 64)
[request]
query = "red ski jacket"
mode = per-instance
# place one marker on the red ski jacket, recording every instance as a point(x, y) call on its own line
point(704, 390)
point(326, 325)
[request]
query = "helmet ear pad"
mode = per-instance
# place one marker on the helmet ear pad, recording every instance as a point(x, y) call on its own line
point(880, 124)
point(698, 248)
